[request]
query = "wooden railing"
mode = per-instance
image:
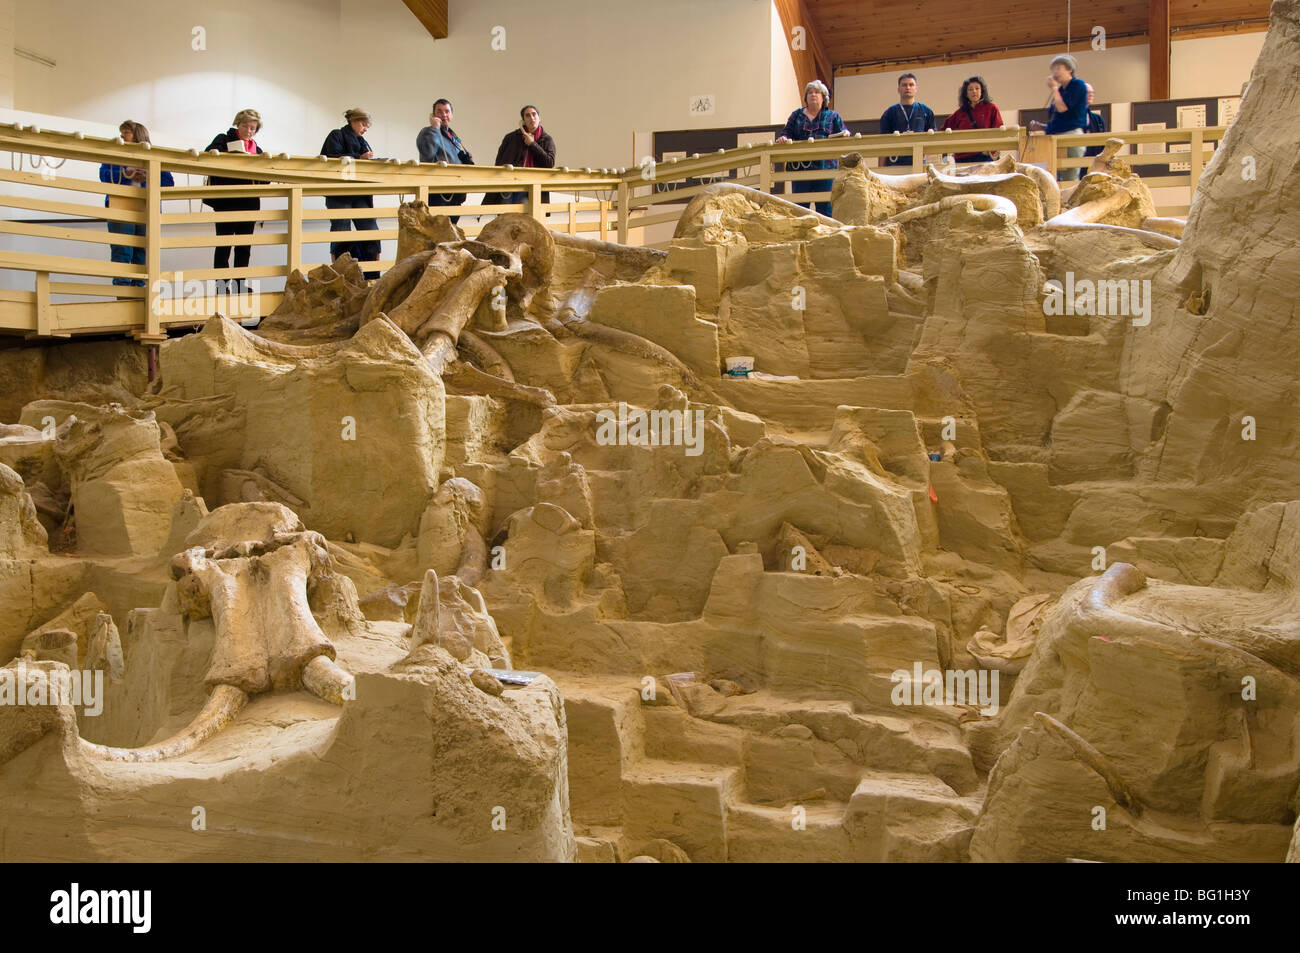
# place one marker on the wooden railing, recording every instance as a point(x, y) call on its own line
point(72, 210)
point(69, 293)
point(1198, 149)
point(762, 167)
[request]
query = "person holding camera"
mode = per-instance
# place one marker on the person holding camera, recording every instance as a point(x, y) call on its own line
point(438, 142)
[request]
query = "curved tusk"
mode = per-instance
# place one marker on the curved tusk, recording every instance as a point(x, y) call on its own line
point(1094, 759)
point(323, 678)
point(223, 705)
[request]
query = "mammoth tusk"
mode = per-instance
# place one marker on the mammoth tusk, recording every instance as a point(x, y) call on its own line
point(223, 705)
point(323, 678)
point(1094, 759)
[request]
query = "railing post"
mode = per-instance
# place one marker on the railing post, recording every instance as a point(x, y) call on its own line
point(604, 219)
point(153, 251)
point(44, 312)
point(1198, 157)
point(295, 230)
point(1052, 156)
point(573, 218)
point(535, 202)
point(623, 212)
point(765, 172)
point(918, 157)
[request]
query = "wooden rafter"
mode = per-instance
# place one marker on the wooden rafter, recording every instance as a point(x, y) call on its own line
point(812, 62)
point(432, 13)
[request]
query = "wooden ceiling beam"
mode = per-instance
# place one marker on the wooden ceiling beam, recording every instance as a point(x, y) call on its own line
point(863, 36)
point(813, 61)
point(431, 13)
point(1158, 42)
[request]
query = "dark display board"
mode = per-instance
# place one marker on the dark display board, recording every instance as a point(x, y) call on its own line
point(1166, 111)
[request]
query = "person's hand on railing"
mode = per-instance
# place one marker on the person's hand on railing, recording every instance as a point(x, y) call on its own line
point(782, 140)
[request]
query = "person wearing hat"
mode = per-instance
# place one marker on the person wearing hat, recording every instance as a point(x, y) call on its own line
point(814, 121)
point(1068, 108)
point(237, 139)
point(349, 141)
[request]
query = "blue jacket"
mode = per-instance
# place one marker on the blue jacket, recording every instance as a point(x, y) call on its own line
point(435, 145)
point(1075, 96)
point(116, 175)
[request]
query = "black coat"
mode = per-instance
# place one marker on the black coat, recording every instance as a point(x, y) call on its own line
point(513, 150)
point(230, 204)
point(345, 142)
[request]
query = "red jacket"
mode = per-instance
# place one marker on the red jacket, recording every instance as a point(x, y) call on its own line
point(984, 115)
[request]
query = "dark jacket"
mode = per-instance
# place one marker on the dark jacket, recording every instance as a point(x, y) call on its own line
point(345, 142)
point(1096, 123)
point(219, 142)
point(513, 150)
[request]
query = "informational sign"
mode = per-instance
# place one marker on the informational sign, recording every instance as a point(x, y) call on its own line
point(1150, 148)
point(1228, 109)
point(1191, 117)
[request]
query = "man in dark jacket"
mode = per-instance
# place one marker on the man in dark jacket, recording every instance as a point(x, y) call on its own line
point(528, 147)
point(349, 141)
point(1096, 123)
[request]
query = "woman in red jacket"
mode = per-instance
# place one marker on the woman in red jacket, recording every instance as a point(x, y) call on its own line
point(975, 110)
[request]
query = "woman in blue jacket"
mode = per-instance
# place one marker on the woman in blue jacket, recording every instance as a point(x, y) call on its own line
point(129, 175)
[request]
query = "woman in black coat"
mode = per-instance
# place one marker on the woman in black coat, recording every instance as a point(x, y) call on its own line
point(349, 140)
point(237, 139)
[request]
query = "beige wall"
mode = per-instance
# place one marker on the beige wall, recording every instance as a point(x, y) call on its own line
point(1213, 66)
point(6, 54)
point(597, 71)
point(785, 82)
point(1118, 75)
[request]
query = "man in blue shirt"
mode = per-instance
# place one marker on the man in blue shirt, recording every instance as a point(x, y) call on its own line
point(906, 115)
point(438, 143)
point(814, 121)
point(1068, 108)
